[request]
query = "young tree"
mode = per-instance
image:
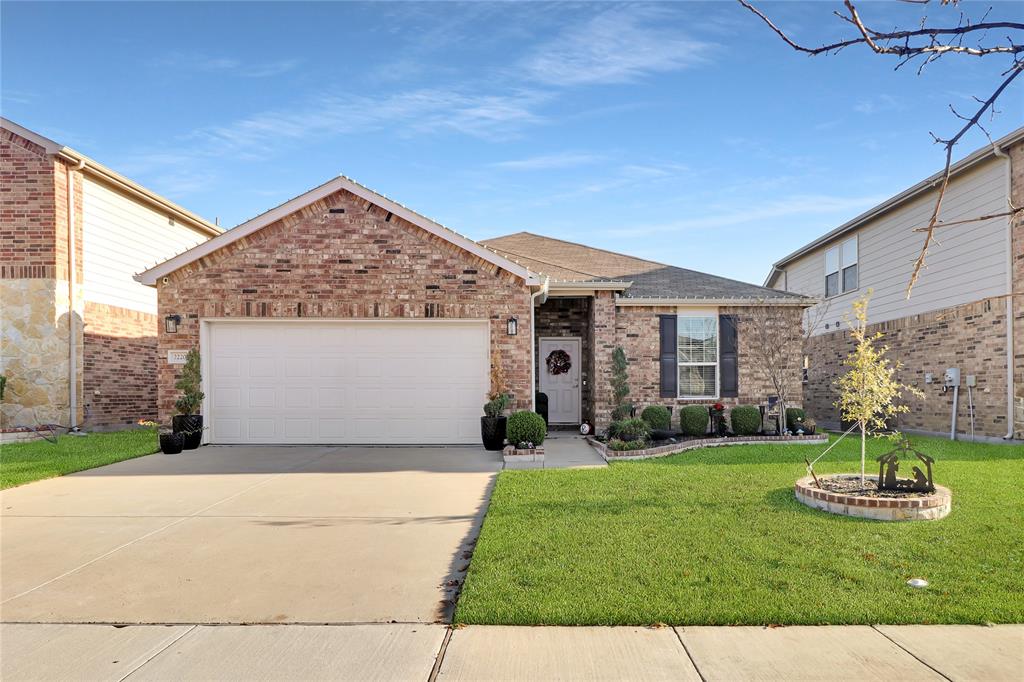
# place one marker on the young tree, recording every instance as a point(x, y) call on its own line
point(868, 390)
point(620, 385)
point(774, 346)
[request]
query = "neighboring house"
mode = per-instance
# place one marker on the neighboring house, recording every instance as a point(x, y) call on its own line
point(342, 316)
point(957, 314)
point(79, 351)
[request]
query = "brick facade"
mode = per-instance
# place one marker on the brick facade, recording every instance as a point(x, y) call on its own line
point(560, 317)
point(971, 337)
point(119, 372)
point(636, 329)
point(364, 263)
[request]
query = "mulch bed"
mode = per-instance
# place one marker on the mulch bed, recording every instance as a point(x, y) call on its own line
point(849, 484)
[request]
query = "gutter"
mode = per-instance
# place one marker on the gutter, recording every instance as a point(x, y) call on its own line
point(803, 302)
point(72, 277)
point(536, 298)
point(1009, 299)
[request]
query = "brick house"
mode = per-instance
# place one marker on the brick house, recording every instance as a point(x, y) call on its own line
point(957, 316)
point(342, 316)
point(81, 350)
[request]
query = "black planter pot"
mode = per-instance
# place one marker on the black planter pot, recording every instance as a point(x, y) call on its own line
point(492, 431)
point(191, 427)
point(171, 443)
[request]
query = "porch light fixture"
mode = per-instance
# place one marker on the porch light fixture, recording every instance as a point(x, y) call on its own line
point(512, 326)
point(171, 323)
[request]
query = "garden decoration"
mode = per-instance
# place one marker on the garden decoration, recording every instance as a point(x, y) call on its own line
point(718, 426)
point(558, 362)
point(889, 464)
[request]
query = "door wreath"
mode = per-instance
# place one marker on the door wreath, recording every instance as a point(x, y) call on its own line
point(558, 362)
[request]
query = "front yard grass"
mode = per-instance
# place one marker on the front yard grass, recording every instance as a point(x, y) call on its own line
point(716, 537)
point(25, 462)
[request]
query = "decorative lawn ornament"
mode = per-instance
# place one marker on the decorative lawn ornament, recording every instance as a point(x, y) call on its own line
point(558, 362)
point(889, 464)
point(917, 583)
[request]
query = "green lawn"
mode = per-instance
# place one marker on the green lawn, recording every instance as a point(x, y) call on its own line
point(715, 536)
point(26, 462)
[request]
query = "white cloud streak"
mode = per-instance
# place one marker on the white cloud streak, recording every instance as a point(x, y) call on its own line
point(549, 161)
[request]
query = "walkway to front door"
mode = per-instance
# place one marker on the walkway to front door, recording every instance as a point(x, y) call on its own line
point(561, 383)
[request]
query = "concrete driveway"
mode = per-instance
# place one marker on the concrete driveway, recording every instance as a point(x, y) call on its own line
point(246, 535)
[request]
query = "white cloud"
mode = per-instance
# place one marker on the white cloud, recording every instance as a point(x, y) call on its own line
point(549, 161)
point(185, 61)
point(878, 103)
point(618, 45)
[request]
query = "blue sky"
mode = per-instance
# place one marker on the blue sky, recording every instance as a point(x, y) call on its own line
point(683, 132)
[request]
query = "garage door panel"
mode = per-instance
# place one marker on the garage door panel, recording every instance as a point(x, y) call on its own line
point(347, 382)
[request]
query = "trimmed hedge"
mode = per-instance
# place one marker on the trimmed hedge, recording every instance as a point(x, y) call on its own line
point(621, 445)
point(693, 420)
point(792, 414)
point(746, 420)
point(657, 417)
point(629, 429)
point(526, 427)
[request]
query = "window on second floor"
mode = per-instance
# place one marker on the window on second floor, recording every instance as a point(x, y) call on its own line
point(841, 268)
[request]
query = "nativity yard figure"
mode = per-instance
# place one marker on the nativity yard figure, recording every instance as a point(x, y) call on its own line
point(889, 464)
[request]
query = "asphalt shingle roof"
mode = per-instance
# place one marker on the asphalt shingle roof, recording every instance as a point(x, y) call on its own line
point(564, 261)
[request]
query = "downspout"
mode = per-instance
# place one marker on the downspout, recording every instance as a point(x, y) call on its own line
point(536, 298)
point(1009, 299)
point(72, 274)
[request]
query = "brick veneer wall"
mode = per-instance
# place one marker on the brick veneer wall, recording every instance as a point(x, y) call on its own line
point(636, 329)
point(567, 317)
point(120, 367)
point(1016, 154)
point(971, 337)
point(361, 264)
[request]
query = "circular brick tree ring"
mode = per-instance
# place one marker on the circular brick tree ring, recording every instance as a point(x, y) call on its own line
point(911, 508)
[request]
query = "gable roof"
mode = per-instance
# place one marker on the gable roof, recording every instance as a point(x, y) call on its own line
point(931, 182)
point(337, 184)
point(642, 280)
point(113, 178)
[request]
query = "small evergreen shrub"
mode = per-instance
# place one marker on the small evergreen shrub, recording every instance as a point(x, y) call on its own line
point(629, 429)
point(746, 420)
point(623, 411)
point(526, 427)
point(657, 417)
point(620, 445)
point(793, 416)
point(693, 420)
point(188, 383)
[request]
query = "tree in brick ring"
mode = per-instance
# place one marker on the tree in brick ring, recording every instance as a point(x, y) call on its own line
point(558, 362)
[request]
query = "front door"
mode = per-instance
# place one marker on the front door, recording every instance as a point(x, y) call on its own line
point(559, 367)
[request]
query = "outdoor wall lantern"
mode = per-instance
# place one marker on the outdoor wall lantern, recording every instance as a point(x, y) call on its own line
point(171, 323)
point(512, 326)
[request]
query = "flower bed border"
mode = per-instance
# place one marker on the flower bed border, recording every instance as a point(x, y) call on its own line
point(511, 455)
point(924, 508)
point(697, 443)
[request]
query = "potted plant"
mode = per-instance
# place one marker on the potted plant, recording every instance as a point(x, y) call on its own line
point(493, 423)
point(170, 443)
point(188, 422)
point(718, 426)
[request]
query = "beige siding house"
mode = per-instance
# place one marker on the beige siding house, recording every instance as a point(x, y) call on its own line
point(957, 316)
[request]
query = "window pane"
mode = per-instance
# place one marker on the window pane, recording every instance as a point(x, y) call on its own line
point(832, 284)
point(697, 339)
point(849, 252)
point(850, 278)
point(832, 261)
point(697, 380)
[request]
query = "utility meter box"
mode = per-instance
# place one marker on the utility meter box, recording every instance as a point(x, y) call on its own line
point(951, 378)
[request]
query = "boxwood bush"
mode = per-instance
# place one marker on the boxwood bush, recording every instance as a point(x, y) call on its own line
point(693, 420)
point(657, 417)
point(792, 415)
point(620, 445)
point(746, 420)
point(629, 429)
point(526, 427)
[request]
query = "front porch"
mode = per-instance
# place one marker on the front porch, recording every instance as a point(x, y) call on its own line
point(565, 325)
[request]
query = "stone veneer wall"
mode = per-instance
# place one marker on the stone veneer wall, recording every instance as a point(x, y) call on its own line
point(120, 368)
point(34, 297)
point(971, 337)
point(636, 329)
point(362, 264)
point(567, 317)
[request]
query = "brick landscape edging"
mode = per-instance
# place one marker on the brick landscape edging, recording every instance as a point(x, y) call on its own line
point(934, 506)
point(672, 448)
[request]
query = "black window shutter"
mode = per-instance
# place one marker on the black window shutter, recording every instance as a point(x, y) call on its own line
point(667, 357)
point(727, 353)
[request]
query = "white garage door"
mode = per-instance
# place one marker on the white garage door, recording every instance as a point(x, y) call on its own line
point(347, 382)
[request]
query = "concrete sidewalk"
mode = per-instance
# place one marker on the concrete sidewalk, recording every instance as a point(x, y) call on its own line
point(429, 652)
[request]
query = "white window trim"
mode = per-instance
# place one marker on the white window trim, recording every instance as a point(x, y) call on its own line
point(838, 247)
point(701, 312)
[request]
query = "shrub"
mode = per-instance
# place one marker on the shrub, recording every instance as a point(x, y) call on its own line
point(494, 408)
point(628, 429)
point(620, 385)
point(191, 379)
point(623, 411)
point(746, 420)
point(657, 417)
point(526, 427)
point(693, 420)
point(794, 415)
point(617, 444)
